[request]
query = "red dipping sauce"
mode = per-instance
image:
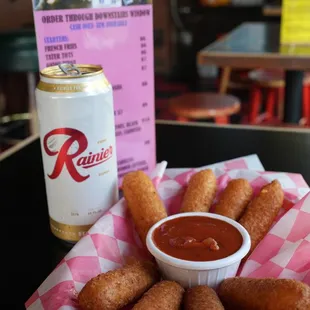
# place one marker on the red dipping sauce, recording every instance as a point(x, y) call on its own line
point(197, 238)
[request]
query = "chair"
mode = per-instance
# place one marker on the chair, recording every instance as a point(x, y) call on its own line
point(200, 106)
point(19, 55)
point(273, 83)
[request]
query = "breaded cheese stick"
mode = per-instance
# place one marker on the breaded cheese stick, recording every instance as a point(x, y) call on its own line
point(165, 295)
point(234, 199)
point(143, 202)
point(115, 289)
point(202, 297)
point(261, 212)
point(200, 192)
point(264, 294)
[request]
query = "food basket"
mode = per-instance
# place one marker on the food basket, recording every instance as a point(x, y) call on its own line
point(283, 253)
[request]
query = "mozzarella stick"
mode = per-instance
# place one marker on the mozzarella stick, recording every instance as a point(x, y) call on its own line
point(165, 295)
point(115, 289)
point(261, 212)
point(200, 192)
point(202, 297)
point(234, 199)
point(264, 294)
point(143, 202)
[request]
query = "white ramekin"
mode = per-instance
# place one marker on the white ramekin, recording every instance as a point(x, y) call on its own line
point(190, 274)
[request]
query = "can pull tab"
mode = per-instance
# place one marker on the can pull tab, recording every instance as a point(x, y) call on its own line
point(70, 69)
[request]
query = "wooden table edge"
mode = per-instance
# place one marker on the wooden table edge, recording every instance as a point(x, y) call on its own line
point(207, 54)
point(241, 60)
point(17, 147)
point(234, 126)
point(269, 10)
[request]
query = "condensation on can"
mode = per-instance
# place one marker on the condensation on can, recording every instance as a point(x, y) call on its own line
point(77, 131)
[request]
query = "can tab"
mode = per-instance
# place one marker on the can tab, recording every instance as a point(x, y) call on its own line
point(70, 69)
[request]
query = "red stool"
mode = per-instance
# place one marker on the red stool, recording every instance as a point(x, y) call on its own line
point(273, 82)
point(199, 106)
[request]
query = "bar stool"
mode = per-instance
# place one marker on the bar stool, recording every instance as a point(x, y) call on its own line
point(272, 81)
point(199, 106)
point(164, 90)
point(19, 57)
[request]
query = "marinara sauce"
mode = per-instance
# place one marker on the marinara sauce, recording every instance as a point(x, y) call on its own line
point(197, 238)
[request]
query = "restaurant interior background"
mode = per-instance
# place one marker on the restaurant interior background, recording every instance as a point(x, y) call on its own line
point(185, 89)
point(240, 111)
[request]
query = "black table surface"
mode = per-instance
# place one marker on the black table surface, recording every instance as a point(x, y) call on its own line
point(256, 45)
point(252, 38)
point(29, 250)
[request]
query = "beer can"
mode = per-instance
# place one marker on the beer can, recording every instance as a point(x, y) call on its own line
point(77, 134)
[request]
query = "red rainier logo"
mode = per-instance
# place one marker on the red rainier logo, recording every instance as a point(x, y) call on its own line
point(65, 158)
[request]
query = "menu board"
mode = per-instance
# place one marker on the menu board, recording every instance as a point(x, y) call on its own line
point(119, 36)
point(295, 23)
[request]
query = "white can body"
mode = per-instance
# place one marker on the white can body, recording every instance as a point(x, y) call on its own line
point(77, 134)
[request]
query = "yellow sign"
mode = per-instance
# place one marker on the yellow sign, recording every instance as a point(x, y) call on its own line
point(295, 24)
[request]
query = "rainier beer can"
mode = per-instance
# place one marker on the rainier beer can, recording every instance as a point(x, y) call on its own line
point(76, 117)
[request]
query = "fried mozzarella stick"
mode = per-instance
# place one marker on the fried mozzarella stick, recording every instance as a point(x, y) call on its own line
point(261, 212)
point(165, 295)
point(143, 202)
point(115, 289)
point(264, 294)
point(200, 192)
point(234, 199)
point(202, 297)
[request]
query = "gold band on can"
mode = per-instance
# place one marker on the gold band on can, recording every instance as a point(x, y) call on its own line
point(73, 88)
point(71, 233)
point(67, 71)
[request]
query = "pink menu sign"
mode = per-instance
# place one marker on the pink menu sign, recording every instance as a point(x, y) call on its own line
point(117, 34)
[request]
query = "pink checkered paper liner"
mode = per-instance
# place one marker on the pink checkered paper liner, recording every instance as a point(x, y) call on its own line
point(283, 253)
